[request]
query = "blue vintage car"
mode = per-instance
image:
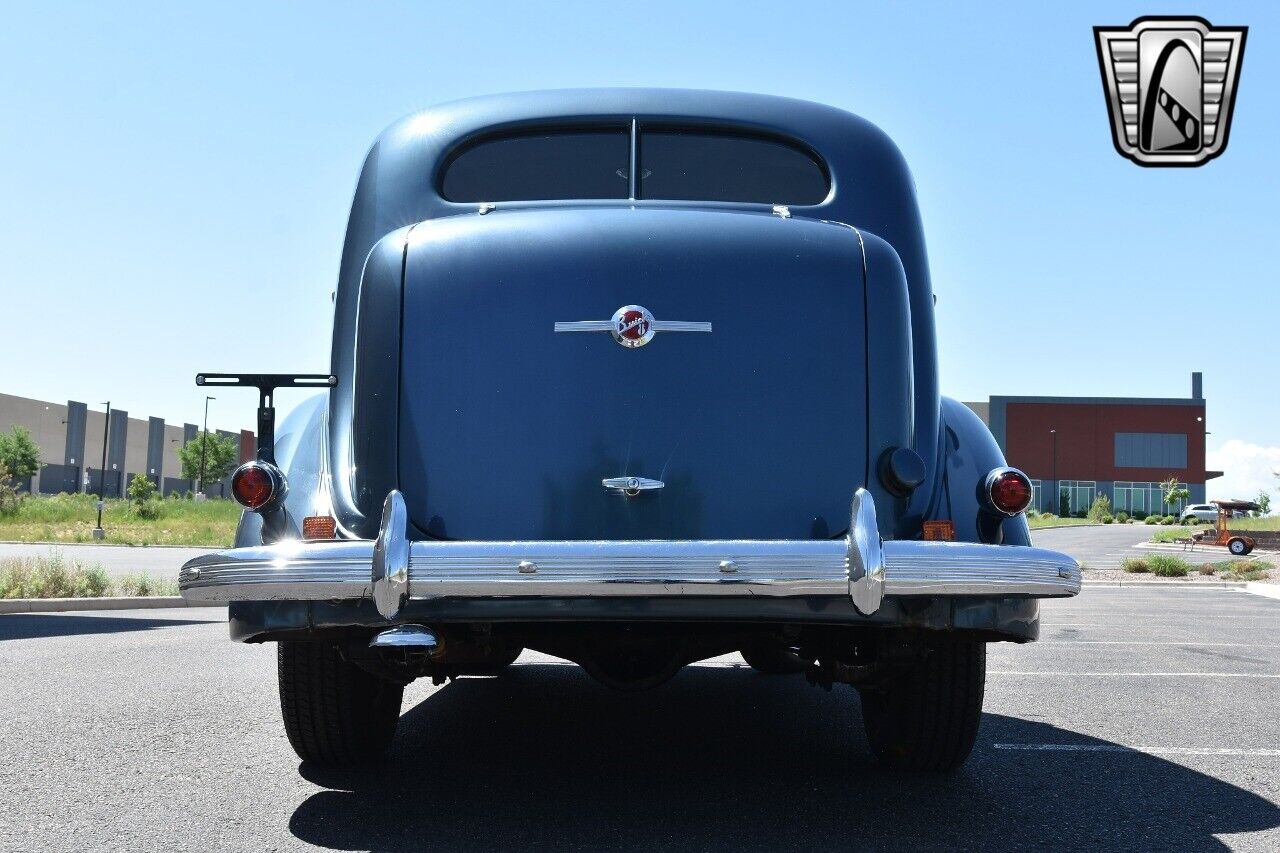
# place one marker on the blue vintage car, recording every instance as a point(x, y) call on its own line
point(635, 378)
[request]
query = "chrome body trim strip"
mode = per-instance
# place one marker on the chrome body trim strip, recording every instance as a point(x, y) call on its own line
point(393, 570)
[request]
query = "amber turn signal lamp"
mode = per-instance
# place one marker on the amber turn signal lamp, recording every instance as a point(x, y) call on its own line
point(939, 531)
point(257, 485)
point(319, 527)
point(1008, 491)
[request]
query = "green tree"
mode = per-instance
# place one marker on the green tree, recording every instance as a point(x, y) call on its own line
point(1263, 500)
point(142, 494)
point(1174, 492)
point(1101, 507)
point(220, 458)
point(19, 453)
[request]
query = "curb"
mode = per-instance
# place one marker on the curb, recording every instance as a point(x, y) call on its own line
point(1062, 526)
point(1267, 590)
point(59, 605)
point(1168, 583)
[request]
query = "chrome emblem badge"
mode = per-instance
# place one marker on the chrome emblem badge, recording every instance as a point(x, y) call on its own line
point(632, 326)
point(1170, 85)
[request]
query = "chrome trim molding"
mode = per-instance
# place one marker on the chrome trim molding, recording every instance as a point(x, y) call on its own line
point(632, 326)
point(393, 570)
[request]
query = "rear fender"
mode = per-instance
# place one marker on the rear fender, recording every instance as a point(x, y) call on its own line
point(969, 452)
point(300, 443)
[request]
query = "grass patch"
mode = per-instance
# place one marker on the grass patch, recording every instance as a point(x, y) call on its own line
point(71, 518)
point(1171, 534)
point(1268, 522)
point(56, 576)
point(1165, 566)
point(1157, 564)
point(1244, 570)
point(1055, 521)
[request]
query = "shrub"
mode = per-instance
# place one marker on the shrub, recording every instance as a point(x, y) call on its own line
point(1100, 507)
point(1048, 516)
point(1150, 519)
point(1168, 519)
point(10, 500)
point(1169, 567)
point(143, 500)
point(143, 585)
point(51, 577)
point(1245, 570)
point(1107, 519)
point(1207, 568)
point(1136, 566)
point(1122, 517)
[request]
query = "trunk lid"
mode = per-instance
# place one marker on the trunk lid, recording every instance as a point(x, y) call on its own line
point(757, 430)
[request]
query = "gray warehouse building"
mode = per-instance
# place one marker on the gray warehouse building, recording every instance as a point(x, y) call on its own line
point(70, 439)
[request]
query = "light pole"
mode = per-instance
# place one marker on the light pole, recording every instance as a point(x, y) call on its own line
point(1057, 490)
point(98, 532)
point(204, 444)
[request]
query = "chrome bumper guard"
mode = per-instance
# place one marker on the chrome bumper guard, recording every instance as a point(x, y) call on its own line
point(393, 570)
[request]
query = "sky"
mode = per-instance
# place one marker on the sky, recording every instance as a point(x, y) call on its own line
point(176, 180)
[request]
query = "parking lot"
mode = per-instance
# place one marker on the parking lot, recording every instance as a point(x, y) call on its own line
point(1144, 719)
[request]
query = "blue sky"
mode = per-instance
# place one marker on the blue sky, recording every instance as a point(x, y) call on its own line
point(176, 182)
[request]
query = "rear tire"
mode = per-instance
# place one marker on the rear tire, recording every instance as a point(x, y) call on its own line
point(773, 660)
point(927, 719)
point(1238, 547)
point(335, 713)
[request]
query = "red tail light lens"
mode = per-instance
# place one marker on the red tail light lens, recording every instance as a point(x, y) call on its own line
point(256, 484)
point(1008, 490)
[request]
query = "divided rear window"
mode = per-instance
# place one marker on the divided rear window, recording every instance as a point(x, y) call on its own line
point(541, 165)
point(674, 163)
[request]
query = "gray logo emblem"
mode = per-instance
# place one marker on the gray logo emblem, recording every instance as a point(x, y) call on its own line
point(1170, 85)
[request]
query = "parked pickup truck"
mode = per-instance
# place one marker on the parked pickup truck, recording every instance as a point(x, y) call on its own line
point(635, 378)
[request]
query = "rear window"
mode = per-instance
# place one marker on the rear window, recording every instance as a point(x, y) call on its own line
point(708, 166)
point(543, 165)
point(677, 163)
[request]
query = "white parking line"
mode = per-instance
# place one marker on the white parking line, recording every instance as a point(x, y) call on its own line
point(1153, 750)
point(1139, 674)
point(1153, 643)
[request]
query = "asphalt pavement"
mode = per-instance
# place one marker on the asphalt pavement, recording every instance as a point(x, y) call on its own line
point(1145, 719)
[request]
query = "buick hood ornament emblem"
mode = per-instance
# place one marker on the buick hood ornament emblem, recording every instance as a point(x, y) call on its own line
point(632, 326)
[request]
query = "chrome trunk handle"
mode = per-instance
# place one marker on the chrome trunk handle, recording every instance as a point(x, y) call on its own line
point(631, 485)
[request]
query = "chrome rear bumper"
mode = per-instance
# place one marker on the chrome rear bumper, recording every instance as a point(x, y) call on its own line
point(393, 570)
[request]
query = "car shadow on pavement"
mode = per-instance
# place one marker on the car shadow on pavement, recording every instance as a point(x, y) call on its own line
point(725, 758)
point(27, 626)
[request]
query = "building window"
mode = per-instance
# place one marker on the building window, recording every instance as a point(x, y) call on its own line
point(1075, 496)
point(1143, 499)
point(1037, 494)
point(1151, 450)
